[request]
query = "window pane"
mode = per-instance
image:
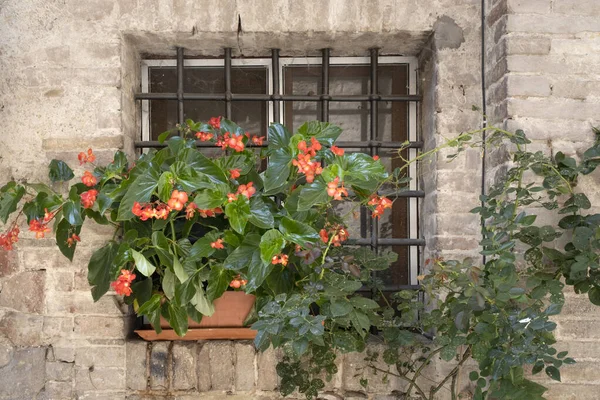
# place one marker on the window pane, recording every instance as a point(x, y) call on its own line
point(244, 80)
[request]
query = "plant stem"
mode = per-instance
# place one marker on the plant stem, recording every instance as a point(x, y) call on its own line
point(173, 231)
point(466, 355)
point(404, 377)
point(420, 369)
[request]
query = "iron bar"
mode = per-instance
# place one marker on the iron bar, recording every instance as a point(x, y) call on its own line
point(179, 94)
point(277, 97)
point(386, 242)
point(325, 85)
point(228, 96)
point(275, 69)
point(341, 144)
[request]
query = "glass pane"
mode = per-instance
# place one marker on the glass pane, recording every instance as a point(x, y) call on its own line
point(251, 115)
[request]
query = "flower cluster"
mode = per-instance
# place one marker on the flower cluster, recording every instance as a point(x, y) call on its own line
point(147, 210)
point(204, 136)
point(83, 158)
point(40, 228)
point(334, 191)
point(337, 151)
point(88, 198)
point(380, 204)
point(9, 238)
point(177, 200)
point(215, 122)
point(238, 282)
point(280, 259)
point(89, 179)
point(234, 142)
point(305, 162)
point(73, 239)
point(123, 283)
point(246, 190)
point(234, 173)
point(217, 244)
point(338, 233)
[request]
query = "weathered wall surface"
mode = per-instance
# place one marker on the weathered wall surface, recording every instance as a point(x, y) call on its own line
point(69, 71)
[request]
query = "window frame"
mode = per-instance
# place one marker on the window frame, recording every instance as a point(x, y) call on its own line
point(414, 241)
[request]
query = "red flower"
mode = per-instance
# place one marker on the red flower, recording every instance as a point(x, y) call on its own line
point(210, 213)
point(48, 215)
point(308, 167)
point(218, 244)
point(204, 136)
point(123, 283)
point(237, 282)
point(89, 157)
point(280, 259)
point(88, 198)
point(380, 203)
point(215, 122)
point(258, 141)
point(231, 197)
point(334, 191)
point(339, 235)
point(11, 237)
point(234, 173)
point(324, 236)
point(190, 210)
point(247, 190)
point(74, 238)
point(89, 179)
point(177, 200)
point(375, 158)
point(337, 151)
point(39, 228)
point(235, 142)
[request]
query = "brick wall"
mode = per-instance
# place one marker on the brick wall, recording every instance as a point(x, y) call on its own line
point(70, 69)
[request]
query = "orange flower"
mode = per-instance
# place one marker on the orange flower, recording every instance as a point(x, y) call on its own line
point(258, 141)
point(237, 282)
point(280, 259)
point(204, 136)
point(89, 179)
point(324, 236)
point(190, 210)
point(235, 142)
point(177, 200)
point(234, 173)
point(137, 209)
point(337, 151)
point(334, 191)
point(308, 167)
point(123, 283)
point(380, 203)
point(339, 235)
point(209, 213)
point(247, 190)
point(73, 239)
point(88, 198)
point(218, 244)
point(231, 197)
point(215, 122)
point(89, 157)
point(39, 228)
point(48, 215)
point(375, 158)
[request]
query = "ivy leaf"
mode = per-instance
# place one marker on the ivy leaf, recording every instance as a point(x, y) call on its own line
point(64, 231)
point(101, 270)
point(59, 171)
point(142, 264)
point(238, 212)
point(271, 244)
point(298, 232)
point(178, 319)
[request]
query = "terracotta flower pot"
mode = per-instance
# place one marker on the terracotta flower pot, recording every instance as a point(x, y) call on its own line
point(231, 311)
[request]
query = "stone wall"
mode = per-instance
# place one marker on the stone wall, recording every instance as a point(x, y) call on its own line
point(70, 69)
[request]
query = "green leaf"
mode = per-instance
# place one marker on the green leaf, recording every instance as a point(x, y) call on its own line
point(538, 367)
point(64, 231)
point(579, 200)
point(150, 305)
point(60, 171)
point(178, 319)
point(140, 190)
point(528, 220)
point(594, 295)
point(581, 237)
point(142, 264)
point(201, 303)
point(241, 257)
point(238, 212)
point(473, 376)
point(278, 169)
point(72, 213)
point(218, 281)
point(179, 271)
point(257, 271)
point(101, 270)
point(10, 195)
point(184, 292)
point(278, 136)
point(164, 136)
point(202, 165)
point(271, 244)
point(553, 373)
point(364, 303)
point(260, 214)
point(298, 232)
point(360, 322)
point(325, 132)
point(161, 245)
point(208, 198)
point(313, 194)
point(202, 249)
point(168, 283)
point(165, 186)
point(340, 307)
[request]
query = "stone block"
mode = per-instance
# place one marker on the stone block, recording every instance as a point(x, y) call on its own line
point(59, 371)
point(267, 375)
point(76, 144)
point(100, 327)
point(184, 365)
point(58, 390)
point(24, 292)
point(203, 369)
point(578, 329)
point(576, 88)
point(221, 365)
point(528, 86)
point(92, 10)
point(105, 356)
point(158, 366)
point(38, 259)
point(529, 6)
point(578, 46)
point(6, 352)
point(245, 356)
point(92, 379)
point(136, 364)
point(60, 280)
point(83, 303)
point(56, 328)
point(577, 7)
point(527, 45)
point(9, 262)
point(551, 108)
point(22, 329)
point(552, 23)
point(25, 375)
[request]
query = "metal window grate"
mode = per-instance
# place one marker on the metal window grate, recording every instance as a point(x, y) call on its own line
point(275, 98)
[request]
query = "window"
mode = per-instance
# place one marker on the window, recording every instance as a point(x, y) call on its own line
point(373, 99)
